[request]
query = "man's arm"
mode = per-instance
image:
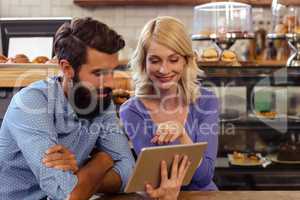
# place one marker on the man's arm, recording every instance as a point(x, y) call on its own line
point(97, 172)
point(91, 177)
point(114, 142)
point(32, 128)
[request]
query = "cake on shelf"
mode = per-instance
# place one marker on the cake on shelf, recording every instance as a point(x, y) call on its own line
point(289, 151)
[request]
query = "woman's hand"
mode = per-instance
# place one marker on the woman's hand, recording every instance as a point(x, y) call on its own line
point(170, 131)
point(170, 187)
point(59, 157)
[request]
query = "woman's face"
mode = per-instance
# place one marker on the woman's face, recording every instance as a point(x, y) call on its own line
point(164, 67)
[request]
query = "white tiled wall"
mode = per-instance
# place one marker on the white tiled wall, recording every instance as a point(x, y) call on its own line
point(127, 20)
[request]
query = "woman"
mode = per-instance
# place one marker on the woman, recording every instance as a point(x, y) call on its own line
point(169, 107)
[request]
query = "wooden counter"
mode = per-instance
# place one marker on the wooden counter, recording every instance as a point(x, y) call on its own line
point(234, 195)
point(171, 2)
point(21, 75)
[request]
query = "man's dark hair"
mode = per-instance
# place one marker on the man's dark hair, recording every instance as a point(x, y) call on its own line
point(72, 40)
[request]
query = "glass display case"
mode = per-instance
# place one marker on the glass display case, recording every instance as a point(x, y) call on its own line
point(222, 19)
point(222, 23)
point(286, 26)
point(259, 116)
point(285, 18)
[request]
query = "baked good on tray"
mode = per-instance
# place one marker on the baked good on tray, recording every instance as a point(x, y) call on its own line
point(269, 114)
point(210, 55)
point(245, 157)
point(40, 60)
point(19, 58)
point(228, 56)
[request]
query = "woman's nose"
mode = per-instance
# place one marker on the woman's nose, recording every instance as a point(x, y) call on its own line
point(163, 68)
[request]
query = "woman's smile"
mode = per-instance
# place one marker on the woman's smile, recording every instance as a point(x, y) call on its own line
point(165, 79)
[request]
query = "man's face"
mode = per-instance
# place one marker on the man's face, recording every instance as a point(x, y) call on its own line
point(93, 84)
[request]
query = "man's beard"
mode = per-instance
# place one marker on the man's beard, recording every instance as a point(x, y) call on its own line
point(86, 102)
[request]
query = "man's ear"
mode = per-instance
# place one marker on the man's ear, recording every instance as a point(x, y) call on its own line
point(66, 68)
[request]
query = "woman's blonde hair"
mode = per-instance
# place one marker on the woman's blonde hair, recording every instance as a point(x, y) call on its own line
point(171, 33)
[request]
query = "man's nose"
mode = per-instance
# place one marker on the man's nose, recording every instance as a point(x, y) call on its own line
point(108, 81)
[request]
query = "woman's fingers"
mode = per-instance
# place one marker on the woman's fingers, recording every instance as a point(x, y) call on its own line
point(173, 138)
point(161, 138)
point(174, 172)
point(168, 138)
point(154, 139)
point(184, 166)
point(164, 172)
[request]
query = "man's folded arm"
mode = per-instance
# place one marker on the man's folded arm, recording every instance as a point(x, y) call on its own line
point(32, 128)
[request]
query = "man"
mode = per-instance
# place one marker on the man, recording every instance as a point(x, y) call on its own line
point(50, 124)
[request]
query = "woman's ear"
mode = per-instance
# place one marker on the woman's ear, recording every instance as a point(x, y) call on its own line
point(66, 68)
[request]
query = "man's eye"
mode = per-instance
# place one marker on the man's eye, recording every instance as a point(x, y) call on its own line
point(103, 73)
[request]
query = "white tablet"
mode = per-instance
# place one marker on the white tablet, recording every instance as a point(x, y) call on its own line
point(147, 168)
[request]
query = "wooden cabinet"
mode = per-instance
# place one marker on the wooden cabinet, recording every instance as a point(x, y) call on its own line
point(138, 2)
point(171, 2)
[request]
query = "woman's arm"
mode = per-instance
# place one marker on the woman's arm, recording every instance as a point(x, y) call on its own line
point(208, 132)
point(136, 126)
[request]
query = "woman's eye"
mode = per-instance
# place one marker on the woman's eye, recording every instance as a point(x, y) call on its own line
point(174, 61)
point(154, 61)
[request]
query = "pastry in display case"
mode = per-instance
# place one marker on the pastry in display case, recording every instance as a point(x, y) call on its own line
point(245, 159)
point(288, 151)
point(210, 55)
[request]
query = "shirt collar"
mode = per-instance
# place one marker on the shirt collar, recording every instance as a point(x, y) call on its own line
point(63, 101)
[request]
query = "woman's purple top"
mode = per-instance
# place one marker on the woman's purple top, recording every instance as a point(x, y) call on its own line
point(202, 125)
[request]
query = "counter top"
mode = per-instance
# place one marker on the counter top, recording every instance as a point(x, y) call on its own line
point(221, 195)
point(21, 75)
